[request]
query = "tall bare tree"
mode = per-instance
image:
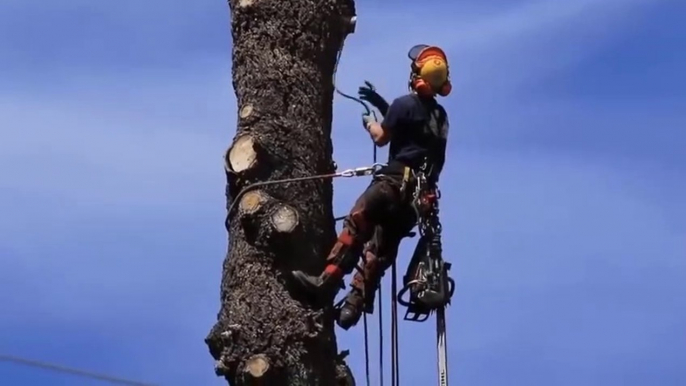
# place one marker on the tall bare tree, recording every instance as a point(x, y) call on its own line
point(284, 56)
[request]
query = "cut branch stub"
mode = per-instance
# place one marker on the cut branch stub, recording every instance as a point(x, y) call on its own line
point(284, 218)
point(245, 3)
point(252, 201)
point(255, 368)
point(242, 155)
point(245, 111)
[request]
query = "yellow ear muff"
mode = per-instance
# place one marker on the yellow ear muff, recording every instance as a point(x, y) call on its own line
point(434, 71)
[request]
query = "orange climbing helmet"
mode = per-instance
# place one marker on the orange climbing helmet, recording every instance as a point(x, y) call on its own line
point(430, 74)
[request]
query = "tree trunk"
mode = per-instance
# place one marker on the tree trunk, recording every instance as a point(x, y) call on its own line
point(284, 54)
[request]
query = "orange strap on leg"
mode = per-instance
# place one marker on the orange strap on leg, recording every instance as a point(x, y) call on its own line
point(333, 270)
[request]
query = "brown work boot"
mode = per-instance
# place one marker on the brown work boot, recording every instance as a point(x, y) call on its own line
point(351, 310)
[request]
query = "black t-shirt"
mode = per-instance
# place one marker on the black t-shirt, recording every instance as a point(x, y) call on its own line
point(419, 130)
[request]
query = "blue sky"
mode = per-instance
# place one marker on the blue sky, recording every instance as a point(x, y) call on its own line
point(564, 215)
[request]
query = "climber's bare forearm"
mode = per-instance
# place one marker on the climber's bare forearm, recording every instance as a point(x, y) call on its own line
point(379, 135)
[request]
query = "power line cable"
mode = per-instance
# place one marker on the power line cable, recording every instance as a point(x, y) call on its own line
point(72, 371)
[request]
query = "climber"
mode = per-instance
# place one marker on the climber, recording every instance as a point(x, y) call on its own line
point(416, 128)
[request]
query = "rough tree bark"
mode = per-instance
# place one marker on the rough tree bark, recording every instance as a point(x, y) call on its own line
point(284, 54)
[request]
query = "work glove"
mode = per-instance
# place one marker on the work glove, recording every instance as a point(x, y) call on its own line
point(368, 93)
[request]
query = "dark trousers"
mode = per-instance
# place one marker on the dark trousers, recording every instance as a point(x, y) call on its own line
point(381, 217)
